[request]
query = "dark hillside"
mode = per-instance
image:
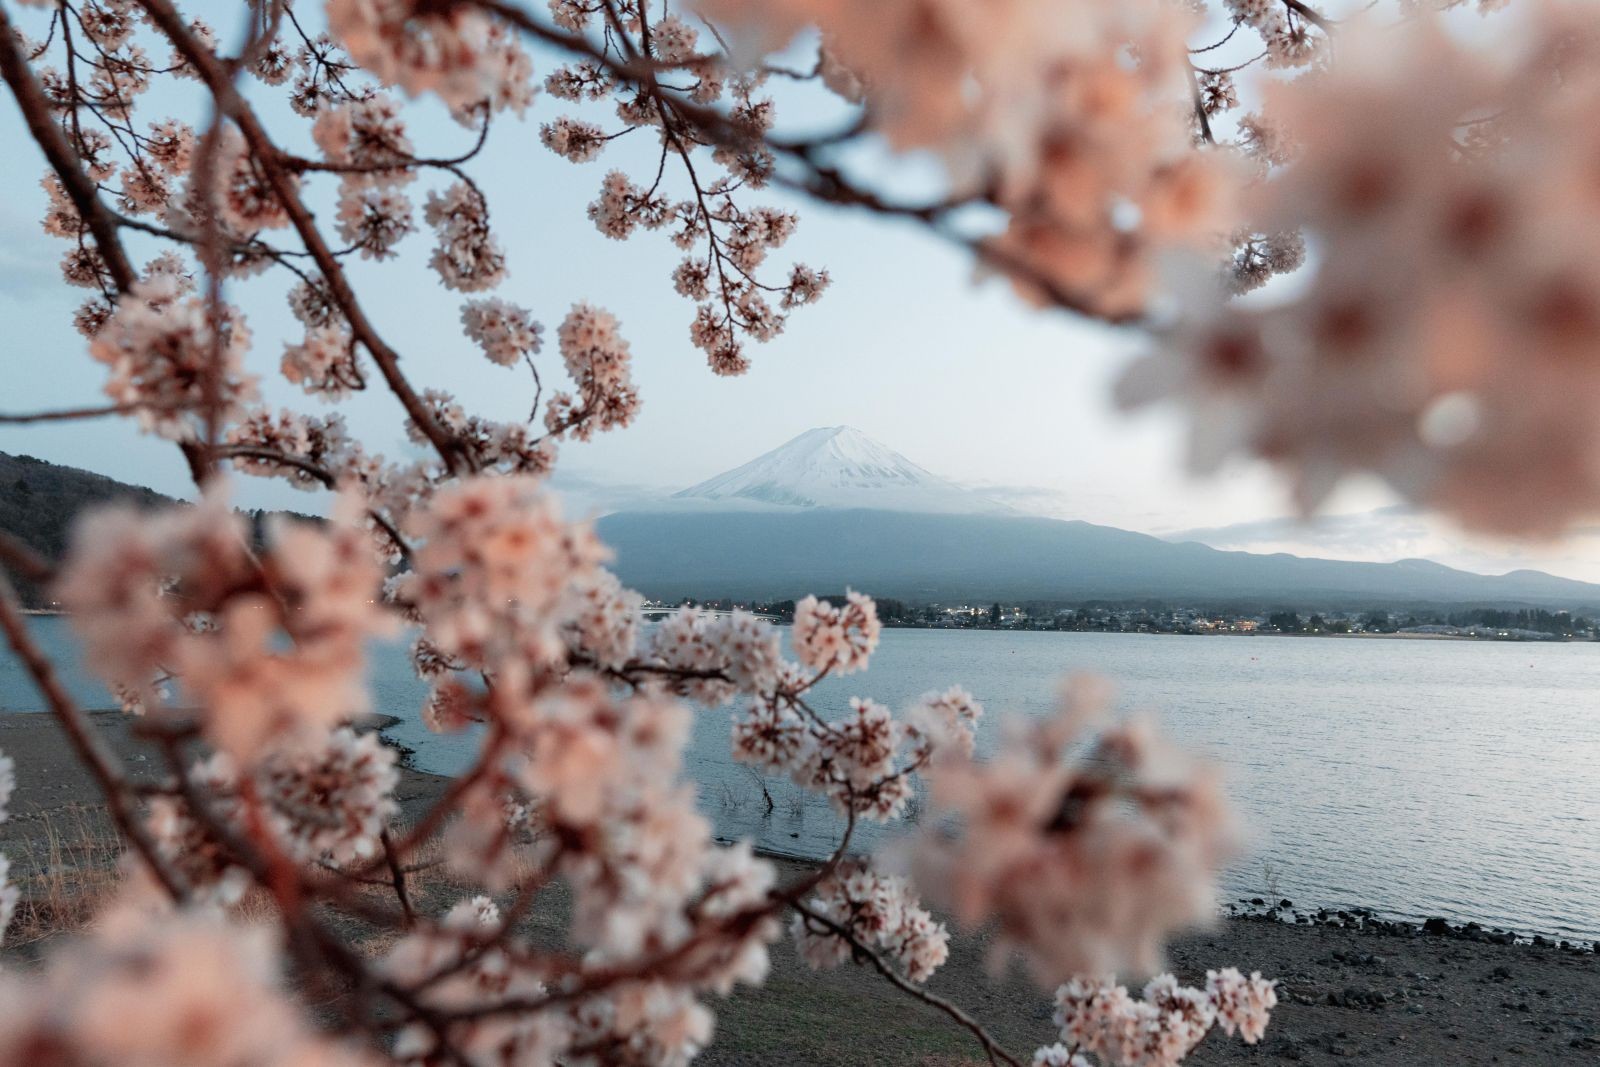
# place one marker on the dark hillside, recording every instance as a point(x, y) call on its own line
point(39, 500)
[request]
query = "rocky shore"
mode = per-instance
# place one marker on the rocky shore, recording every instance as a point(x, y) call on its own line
point(1369, 920)
point(1354, 987)
point(1360, 989)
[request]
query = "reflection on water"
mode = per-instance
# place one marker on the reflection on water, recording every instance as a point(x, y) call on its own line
point(1417, 777)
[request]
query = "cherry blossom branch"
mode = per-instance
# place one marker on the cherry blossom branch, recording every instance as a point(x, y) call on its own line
point(321, 474)
point(448, 802)
point(254, 850)
point(332, 868)
point(481, 946)
point(250, 246)
point(1319, 21)
point(991, 1047)
point(266, 153)
point(1200, 115)
point(819, 180)
point(61, 156)
point(1218, 44)
point(209, 250)
point(734, 927)
point(398, 875)
point(449, 163)
point(593, 981)
point(21, 557)
point(308, 938)
point(69, 414)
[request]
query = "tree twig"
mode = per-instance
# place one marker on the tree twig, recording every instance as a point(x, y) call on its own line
point(90, 746)
point(268, 156)
point(63, 159)
point(397, 875)
point(992, 1047)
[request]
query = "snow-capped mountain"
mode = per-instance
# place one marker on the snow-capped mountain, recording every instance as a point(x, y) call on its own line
point(840, 467)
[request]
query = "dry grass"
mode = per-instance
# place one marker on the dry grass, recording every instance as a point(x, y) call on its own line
point(63, 872)
point(67, 866)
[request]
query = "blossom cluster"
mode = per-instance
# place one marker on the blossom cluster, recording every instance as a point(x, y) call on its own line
point(833, 639)
point(1159, 1028)
point(1085, 851)
point(323, 444)
point(324, 800)
point(470, 60)
point(1089, 155)
point(162, 351)
point(504, 331)
point(468, 257)
point(858, 905)
point(151, 986)
point(859, 761)
point(715, 656)
point(598, 361)
point(9, 894)
point(1291, 37)
point(324, 363)
point(1443, 340)
point(266, 646)
point(452, 961)
point(862, 761)
point(492, 571)
point(466, 957)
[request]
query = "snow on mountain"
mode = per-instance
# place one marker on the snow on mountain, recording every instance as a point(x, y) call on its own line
point(839, 467)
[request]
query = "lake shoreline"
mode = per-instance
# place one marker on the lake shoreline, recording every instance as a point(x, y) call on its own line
point(1551, 640)
point(1255, 909)
point(38, 747)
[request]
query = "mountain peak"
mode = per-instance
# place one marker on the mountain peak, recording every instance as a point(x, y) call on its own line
point(838, 467)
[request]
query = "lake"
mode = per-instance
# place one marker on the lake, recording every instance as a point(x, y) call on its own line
point(1419, 778)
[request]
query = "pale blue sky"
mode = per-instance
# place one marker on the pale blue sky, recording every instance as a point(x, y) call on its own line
point(959, 376)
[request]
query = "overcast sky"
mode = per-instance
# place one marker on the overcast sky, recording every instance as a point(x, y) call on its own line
point(957, 375)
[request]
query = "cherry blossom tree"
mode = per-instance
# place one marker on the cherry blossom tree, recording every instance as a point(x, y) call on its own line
point(1142, 162)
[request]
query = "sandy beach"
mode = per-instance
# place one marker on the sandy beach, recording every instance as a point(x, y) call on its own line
point(1375, 992)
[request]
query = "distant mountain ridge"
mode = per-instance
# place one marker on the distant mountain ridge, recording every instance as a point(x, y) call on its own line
point(832, 507)
point(775, 555)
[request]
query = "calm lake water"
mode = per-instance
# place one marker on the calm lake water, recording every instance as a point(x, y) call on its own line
point(1420, 778)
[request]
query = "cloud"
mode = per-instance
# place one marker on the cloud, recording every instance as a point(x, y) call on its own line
point(1399, 532)
point(585, 495)
point(1368, 532)
point(1045, 501)
point(1379, 535)
point(28, 263)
